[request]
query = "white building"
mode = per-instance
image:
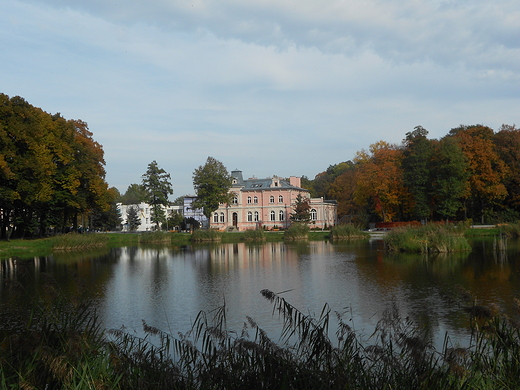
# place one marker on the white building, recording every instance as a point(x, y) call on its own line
point(145, 215)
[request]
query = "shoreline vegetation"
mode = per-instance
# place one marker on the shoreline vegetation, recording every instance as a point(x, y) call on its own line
point(60, 345)
point(76, 242)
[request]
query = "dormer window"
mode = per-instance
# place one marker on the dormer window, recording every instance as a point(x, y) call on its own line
point(234, 181)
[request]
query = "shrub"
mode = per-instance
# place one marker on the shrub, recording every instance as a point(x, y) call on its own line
point(511, 230)
point(254, 235)
point(206, 235)
point(347, 232)
point(434, 238)
point(76, 242)
point(297, 231)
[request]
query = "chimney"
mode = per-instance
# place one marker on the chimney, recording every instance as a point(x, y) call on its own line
point(295, 181)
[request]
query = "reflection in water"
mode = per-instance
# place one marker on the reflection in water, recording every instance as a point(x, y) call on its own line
point(167, 287)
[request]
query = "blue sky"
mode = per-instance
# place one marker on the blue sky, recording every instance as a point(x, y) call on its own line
point(271, 87)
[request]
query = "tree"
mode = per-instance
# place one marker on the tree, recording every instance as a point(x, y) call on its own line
point(132, 218)
point(301, 210)
point(449, 176)
point(507, 142)
point(157, 184)
point(135, 194)
point(487, 170)
point(212, 183)
point(416, 172)
point(379, 180)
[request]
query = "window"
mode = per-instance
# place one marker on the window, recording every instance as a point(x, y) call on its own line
point(280, 198)
point(248, 200)
point(282, 215)
point(255, 200)
point(271, 199)
point(256, 216)
point(215, 218)
point(273, 216)
point(235, 199)
point(249, 216)
point(314, 215)
point(221, 217)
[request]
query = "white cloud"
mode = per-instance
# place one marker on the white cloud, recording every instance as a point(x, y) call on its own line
point(269, 87)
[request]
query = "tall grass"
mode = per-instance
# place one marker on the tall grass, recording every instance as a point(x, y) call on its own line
point(75, 242)
point(431, 238)
point(157, 237)
point(257, 235)
point(510, 230)
point(62, 346)
point(296, 232)
point(206, 235)
point(347, 232)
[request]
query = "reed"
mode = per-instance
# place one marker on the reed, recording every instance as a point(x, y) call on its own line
point(347, 232)
point(297, 232)
point(510, 230)
point(77, 242)
point(206, 235)
point(431, 238)
point(62, 346)
point(257, 235)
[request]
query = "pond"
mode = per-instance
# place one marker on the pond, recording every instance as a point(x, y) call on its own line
point(167, 287)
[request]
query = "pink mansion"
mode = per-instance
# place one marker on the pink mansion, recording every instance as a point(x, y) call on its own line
point(267, 203)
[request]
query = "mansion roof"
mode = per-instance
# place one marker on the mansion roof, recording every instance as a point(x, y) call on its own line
point(266, 184)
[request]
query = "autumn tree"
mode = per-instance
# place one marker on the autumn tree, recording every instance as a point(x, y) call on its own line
point(343, 190)
point(211, 182)
point(379, 180)
point(156, 182)
point(487, 170)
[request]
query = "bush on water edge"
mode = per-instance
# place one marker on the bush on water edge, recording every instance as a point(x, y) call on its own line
point(206, 235)
point(430, 238)
point(510, 230)
point(256, 235)
point(296, 232)
point(347, 232)
point(61, 346)
point(75, 241)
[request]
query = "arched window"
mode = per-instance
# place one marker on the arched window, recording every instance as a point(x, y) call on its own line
point(248, 200)
point(271, 199)
point(273, 216)
point(280, 198)
point(215, 217)
point(221, 217)
point(314, 215)
point(282, 215)
point(235, 199)
point(256, 216)
point(249, 216)
point(255, 200)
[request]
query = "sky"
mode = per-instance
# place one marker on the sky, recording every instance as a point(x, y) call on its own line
point(269, 87)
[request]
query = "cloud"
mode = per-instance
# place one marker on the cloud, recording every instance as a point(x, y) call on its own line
point(270, 87)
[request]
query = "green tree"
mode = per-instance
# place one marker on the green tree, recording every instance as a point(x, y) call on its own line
point(301, 210)
point(132, 218)
point(212, 182)
point(156, 182)
point(449, 176)
point(135, 194)
point(416, 170)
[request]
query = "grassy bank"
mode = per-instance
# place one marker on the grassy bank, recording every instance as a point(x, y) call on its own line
point(62, 346)
point(431, 238)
